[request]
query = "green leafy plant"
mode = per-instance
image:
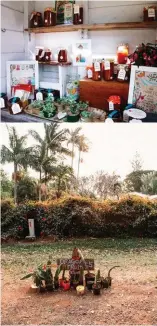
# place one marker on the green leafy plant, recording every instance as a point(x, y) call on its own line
point(74, 109)
point(42, 273)
point(83, 105)
point(86, 114)
point(49, 108)
point(37, 104)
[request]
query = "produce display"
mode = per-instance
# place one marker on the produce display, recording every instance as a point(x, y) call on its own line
point(72, 274)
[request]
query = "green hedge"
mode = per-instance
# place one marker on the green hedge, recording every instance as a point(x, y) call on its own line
point(76, 217)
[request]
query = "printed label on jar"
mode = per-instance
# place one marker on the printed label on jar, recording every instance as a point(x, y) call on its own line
point(61, 57)
point(107, 65)
point(16, 108)
point(90, 73)
point(47, 57)
point(151, 12)
point(45, 20)
point(35, 23)
point(39, 96)
point(97, 66)
point(2, 104)
point(111, 106)
point(122, 74)
point(76, 9)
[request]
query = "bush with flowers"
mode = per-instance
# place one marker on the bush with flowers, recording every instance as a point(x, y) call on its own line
point(145, 55)
point(77, 216)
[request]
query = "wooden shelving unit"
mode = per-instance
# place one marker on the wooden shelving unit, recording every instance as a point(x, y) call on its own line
point(55, 63)
point(93, 27)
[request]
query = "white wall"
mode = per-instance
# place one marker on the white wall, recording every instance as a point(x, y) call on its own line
point(12, 40)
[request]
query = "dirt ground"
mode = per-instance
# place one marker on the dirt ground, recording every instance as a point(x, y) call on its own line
point(132, 299)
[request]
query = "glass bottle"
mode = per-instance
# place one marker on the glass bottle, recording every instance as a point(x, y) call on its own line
point(62, 56)
point(49, 17)
point(36, 19)
point(78, 15)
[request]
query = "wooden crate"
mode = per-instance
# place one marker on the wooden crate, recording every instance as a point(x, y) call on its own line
point(97, 92)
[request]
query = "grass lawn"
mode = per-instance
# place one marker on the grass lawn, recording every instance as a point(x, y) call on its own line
point(132, 298)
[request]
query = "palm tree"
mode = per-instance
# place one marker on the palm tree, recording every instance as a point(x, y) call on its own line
point(17, 153)
point(83, 147)
point(63, 176)
point(44, 155)
point(74, 140)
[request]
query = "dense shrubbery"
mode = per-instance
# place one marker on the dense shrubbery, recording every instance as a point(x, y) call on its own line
point(75, 216)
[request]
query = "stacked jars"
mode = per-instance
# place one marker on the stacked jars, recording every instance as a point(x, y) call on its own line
point(78, 15)
point(49, 17)
point(36, 20)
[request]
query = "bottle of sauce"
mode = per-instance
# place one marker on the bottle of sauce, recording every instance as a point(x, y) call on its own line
point(122, 54)
point(97, 70)
point(62, 55)
point(49, 17)
point(78, 15)
point(108, 69)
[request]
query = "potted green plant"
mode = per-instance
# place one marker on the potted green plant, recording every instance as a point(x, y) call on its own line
point(96, 287)
point(86, 116)
point(59, 104)
point(73, 114)
point(49, 109)
point(83, 106)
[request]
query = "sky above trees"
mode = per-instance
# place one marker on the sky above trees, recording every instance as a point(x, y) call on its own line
point(112, 147)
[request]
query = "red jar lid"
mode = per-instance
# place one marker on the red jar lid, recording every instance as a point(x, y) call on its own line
point(114, 99)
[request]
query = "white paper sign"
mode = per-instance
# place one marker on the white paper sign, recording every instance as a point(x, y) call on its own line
point(39, 96)
point(31, 227)
point(19, 93)
point(76, 9)
point(97, 66)
point(90, 73)
point(151, 12)
point(111, 106)
point(2, 103)
point(107, 65)
point(122, 74)
point(16, 108)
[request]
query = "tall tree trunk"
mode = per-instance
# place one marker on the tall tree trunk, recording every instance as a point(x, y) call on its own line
point(79, 160)
point(72, 159)
point(40, 186)
point(15, 183)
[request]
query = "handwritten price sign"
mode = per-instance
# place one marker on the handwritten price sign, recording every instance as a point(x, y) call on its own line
point(71, 264)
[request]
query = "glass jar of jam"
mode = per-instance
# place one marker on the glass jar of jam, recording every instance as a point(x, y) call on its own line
point(150, 13)
point(78, 15)
point(49, 17)
point(108, 69)
point(11, 102)
point(62, 55)
point(41, 53)
point(123, 73)
point(97, 70)
point(122, 54)
point(89, 72)
point(36, 19)
point(114, 103)
point(47, 55)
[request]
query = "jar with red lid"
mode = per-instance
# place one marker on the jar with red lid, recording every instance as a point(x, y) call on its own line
point(78, 15)
point(47, 55)
point(36, 19)
point(49, 17)
point(150, 13)
point(62, 56)
point(108, 69)
point(123, 73)
point(122, 53)
point(114, 103)
point(97, 70)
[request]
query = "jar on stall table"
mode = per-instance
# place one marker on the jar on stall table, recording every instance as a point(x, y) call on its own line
point(62, 55)
point(122, 53)
point(89, 72)
point(97, 70)
point(49, 17)
point(114, 103)
point(150, 13)
point(36, 19)
point(123, 73)
point(78, 15)
point(47, 55)
point(108, 69)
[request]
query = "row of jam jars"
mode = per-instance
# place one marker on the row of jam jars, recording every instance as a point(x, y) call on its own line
point(150, 13)
point(36, 19)
point(78, 15)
